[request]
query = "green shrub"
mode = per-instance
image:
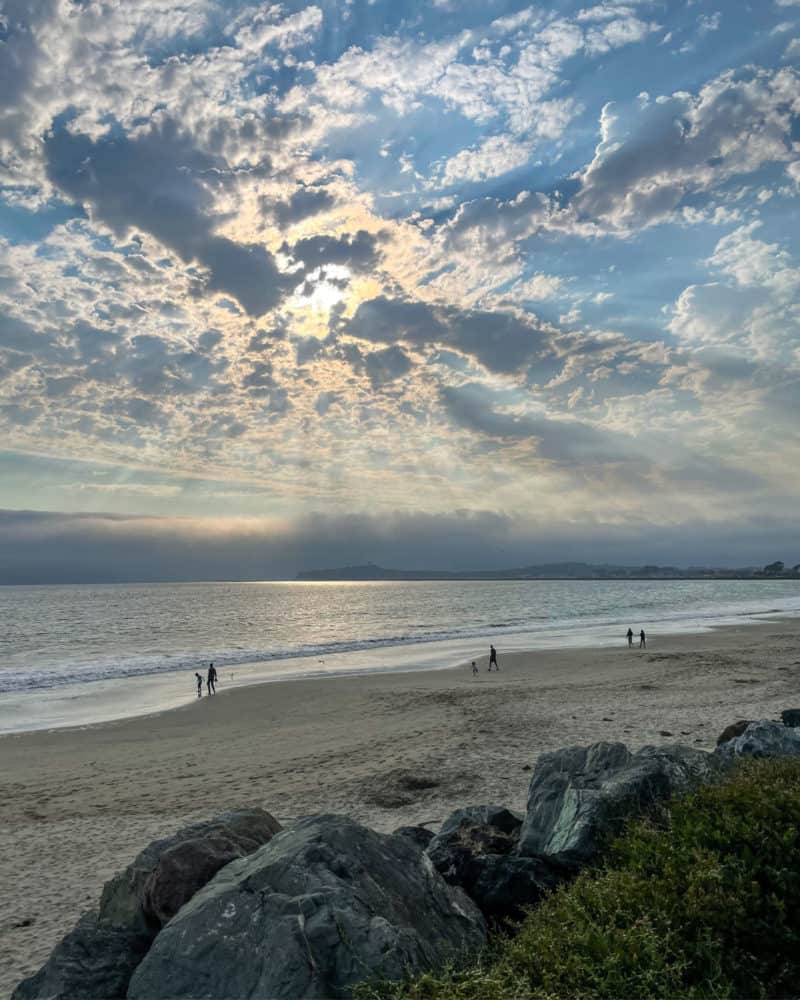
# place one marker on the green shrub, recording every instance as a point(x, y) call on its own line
point(700, 900)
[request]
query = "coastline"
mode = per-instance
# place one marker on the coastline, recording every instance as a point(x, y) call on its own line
point(76, 804)
point(78, 703)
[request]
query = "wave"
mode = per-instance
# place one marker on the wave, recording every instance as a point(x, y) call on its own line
point(562, 632)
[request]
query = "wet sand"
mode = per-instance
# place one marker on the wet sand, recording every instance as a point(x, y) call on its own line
point(77, 804)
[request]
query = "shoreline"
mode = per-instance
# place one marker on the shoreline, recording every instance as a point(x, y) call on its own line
point(81, 704)
point(77, 804)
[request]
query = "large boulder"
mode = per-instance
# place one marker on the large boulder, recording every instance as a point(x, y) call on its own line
point(791, 717)
point(762, 739)
point(475, 850)
point(580, 795)
point(324, 905)
point(96, 959)
point(168, 872)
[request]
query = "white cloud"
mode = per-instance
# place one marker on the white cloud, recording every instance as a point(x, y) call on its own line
point(754, 307)
point(538, 286)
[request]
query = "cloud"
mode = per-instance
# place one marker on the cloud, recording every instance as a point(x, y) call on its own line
point(48, 547)
point(387, 365)
point(358, 251)
point(473, 407)
point(651, 158)
point(154, 183)
point(502, 342)
point(304, 202)
point(754, 305)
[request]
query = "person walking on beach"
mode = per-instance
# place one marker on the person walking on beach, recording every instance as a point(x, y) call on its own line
point(474, 668)
point(211, 679)
point(493, 658)
point(642, 640)
point(199, 684)
point(630, 637)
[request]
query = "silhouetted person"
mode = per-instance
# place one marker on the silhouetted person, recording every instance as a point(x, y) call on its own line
point(211, 679)
point(199, 684)
point(493, 658)
point(474, 667)
point(642, 641)
point(630, 636)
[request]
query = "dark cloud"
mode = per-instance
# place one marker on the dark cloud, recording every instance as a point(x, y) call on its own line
point(153, 182)
point(308, 348)
point(325, 400)
point(304, 202)
point(357, 251)
point(259, 377)
point(501, 341)
point(19, 54)
point(472, 407)
point(42, 547)
point(387, 365)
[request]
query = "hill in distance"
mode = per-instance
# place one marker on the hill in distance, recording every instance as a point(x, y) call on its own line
point(555, 571)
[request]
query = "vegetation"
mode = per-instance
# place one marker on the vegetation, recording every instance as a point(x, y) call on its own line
point(700, 900)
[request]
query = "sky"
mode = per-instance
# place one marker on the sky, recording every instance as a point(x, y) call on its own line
point(448, 284)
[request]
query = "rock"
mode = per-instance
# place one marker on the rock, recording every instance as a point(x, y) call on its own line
point(734, 729)
point(475, 849)
point(505, 885)
point(324, 905)
point(762, 739)
point(500, 819)
point(93, 962)
point(168, 872)
point(579, 795)
point(416, 834)
point(97, 958)
point(791, 717)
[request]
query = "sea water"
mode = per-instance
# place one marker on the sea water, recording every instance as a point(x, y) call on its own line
point(84, 653)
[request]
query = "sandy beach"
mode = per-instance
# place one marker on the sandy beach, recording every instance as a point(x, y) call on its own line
point(77, 804)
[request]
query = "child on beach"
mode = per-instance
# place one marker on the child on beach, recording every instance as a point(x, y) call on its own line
point(474, 667)
point(199, 684)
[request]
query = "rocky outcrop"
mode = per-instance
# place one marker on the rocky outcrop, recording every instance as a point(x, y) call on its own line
point(96, 959)
point(791, 717)
point(325, 905)
point(762, 739)
point(475, 849)
point(580, 795)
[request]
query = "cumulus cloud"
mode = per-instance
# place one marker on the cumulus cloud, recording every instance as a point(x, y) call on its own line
point(754, 305)
point(651, 158)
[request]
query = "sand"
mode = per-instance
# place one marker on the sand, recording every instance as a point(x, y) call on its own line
point(76, 805)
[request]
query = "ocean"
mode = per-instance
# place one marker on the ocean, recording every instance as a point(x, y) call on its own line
point(72, 655)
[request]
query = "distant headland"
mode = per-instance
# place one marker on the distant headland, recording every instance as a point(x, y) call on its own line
point(560, 571)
